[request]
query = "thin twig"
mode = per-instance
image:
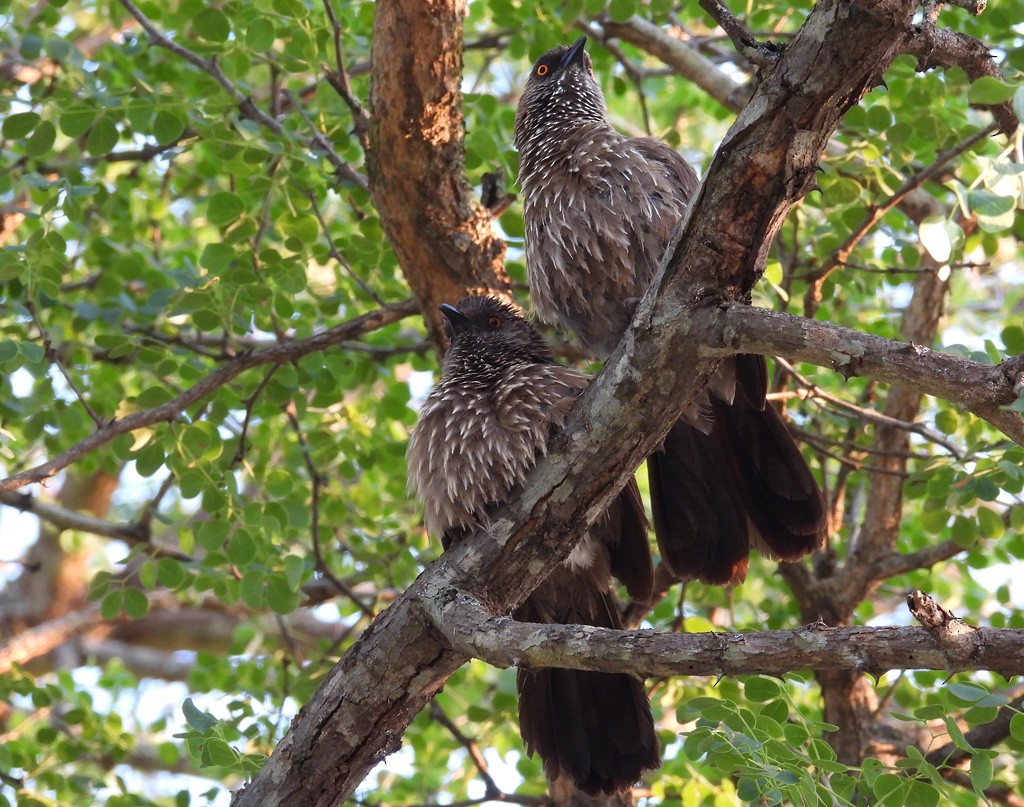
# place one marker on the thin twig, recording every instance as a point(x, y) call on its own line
point(250, 402)
point(870, 415)
point(245, 104)
point(437, 713)
point(841, 254)
point(758, 53)
point(338, 79)
point(316, 480)
point(334, 252)
point(51, 354)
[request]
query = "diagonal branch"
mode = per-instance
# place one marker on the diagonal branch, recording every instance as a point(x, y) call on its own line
point(246, 106)
point(284, 352)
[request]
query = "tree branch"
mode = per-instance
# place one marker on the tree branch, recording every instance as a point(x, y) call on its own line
point(501, 641)
point(277, 354)
point(245, 104)
point(979, 388)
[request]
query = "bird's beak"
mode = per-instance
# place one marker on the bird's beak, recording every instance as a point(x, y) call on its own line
point(458, 320)
point(574, 55)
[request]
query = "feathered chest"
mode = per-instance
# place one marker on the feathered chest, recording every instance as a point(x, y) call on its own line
point(477, 438)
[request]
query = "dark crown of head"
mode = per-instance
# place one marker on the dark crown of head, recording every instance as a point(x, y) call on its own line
point(491, 334)
point(561, 90)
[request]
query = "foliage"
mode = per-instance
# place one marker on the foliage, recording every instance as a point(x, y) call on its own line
point(154, 228)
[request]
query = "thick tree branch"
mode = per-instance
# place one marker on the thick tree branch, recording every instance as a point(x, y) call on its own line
point(940, 47)
point(278, 354)
point(503, 642)
point(979, 388)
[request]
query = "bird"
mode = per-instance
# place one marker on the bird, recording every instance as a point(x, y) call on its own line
point(599, 209)
point(480, 430)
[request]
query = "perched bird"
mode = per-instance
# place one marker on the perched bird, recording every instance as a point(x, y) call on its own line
point(480, 430)
point(599, 209)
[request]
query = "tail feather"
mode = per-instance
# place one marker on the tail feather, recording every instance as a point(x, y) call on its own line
point(743, 481)
point(624, 533)
point(596, 728)
point(699, 516)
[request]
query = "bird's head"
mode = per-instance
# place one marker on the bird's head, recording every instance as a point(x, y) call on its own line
point(488, 335)
point(561, 91)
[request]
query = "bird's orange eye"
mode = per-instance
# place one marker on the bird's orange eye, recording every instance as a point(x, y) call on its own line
point(494, 322)
point(542, 70)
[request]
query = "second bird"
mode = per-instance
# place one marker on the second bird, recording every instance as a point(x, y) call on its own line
point(480, 431)
point(599, 210)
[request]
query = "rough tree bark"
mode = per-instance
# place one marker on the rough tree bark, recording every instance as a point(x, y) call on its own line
point(766, 162)
point(415, 158)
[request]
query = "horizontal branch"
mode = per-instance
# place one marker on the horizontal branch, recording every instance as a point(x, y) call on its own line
point(503, 642)
point(65, 519)
point(981, 389)
point(283, 352)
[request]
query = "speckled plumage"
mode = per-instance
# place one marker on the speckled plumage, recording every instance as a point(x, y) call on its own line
point(599, 210)
point(598, 206)
point(480, 431)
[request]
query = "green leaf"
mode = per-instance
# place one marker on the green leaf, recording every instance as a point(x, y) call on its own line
point(252, 589)
point(956, 735)
point(212, 24)
point(294, 569)
point(217, 752)
point(241, 548)
point(147, 574)
point(280, 597)
point(76, 122)
point(224, 208)
point(303, 228)
point(41, 140)
point(196, 718)
point(761, 689)
point(946, 421)
point(968, 693)
point(981, 772)
point(1017, 727)
point(136, 604)
point(1012, 337)
point(888, 785)
point(170, 572)
point(20, 124)
point(990, 523)
point(168, 126)
point(110, 605)
point(920, 794)
point(260, 34)
point(102, 138)
point(990, 90)
point(210, 535)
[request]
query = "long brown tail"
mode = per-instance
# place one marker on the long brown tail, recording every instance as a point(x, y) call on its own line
point(594, 727)
point(745, 482)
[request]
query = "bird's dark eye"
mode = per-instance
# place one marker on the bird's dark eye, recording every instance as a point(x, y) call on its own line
point(542, 70)
point(494, 322)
